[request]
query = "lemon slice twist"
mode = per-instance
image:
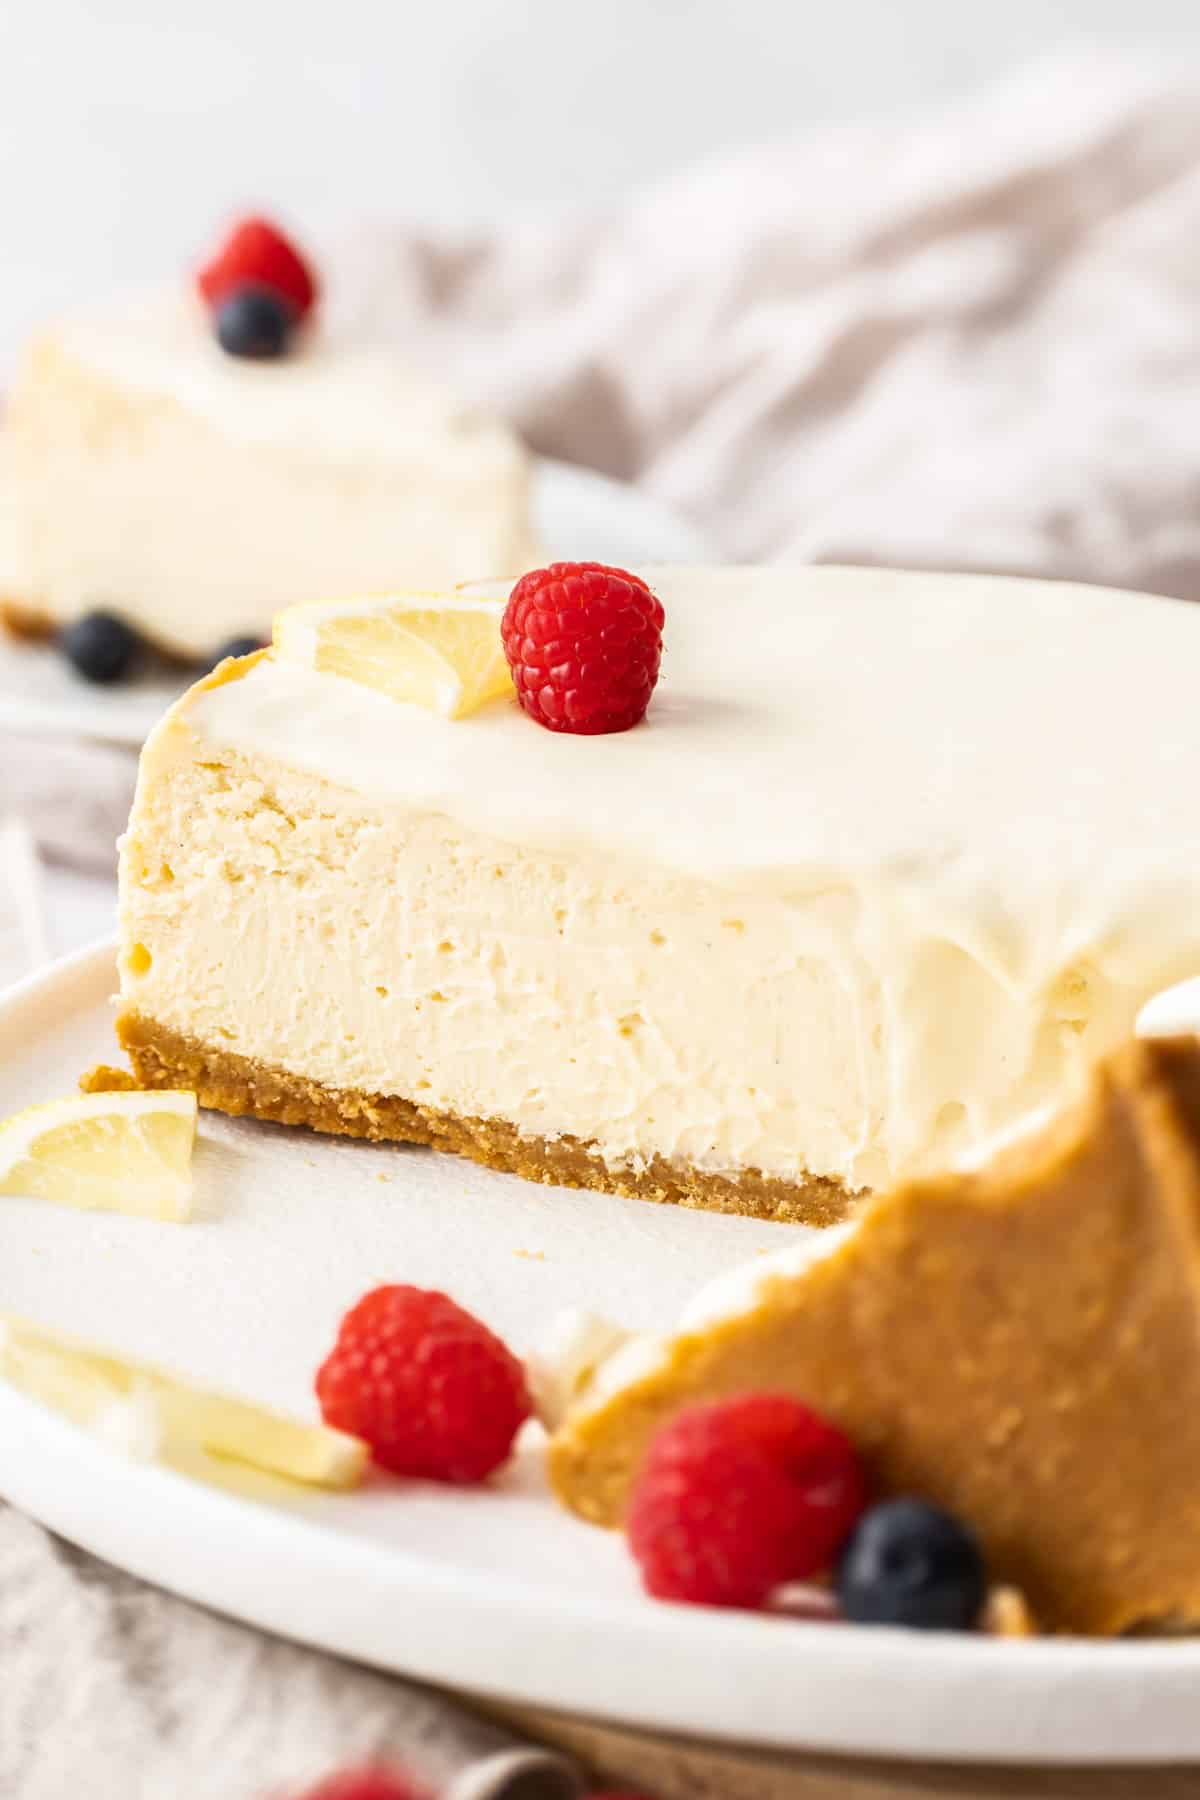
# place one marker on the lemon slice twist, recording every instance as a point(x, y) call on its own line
point(115, 1152)
point(439, 651)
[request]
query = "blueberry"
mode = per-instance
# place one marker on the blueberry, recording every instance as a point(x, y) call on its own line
point(254, 321)
point(238, 646)
point(909, 1563)
point(100, 646)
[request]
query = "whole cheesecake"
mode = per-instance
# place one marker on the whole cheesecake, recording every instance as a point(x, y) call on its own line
point(194, 493)
point(892, 860)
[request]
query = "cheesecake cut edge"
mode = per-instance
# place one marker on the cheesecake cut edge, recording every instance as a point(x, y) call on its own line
point(224, 1081)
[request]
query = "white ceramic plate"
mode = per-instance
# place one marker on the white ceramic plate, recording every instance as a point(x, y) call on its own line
point(577, 513)
point(495, 1590)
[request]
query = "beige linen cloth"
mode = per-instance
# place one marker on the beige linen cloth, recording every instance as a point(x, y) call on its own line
point(966, 341)
point(970, 340)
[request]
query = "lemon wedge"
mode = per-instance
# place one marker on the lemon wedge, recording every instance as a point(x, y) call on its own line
point(123, 1152)
point(439, 651)
point(145, 1411)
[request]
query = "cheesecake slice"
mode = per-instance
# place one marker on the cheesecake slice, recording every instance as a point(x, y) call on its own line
point(195, 493)
point(1019, 1343)
point(893, 859)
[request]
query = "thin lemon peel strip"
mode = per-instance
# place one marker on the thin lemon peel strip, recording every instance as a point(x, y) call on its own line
point(146, 1411)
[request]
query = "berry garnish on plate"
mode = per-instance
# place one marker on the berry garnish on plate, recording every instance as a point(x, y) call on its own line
point(910, 1563)
point(238, 646)
point(738, 1497)
point(100, 646)
point(584, 643)
point(257, 253)
point(372, 1782)
point(254, 322)
point(428, 1386)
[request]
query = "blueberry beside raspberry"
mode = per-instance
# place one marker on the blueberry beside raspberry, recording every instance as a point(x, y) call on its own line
point(100, 646)
point(910, 1563)
point(255, 250)
point(737, 1497)
point(255, 322)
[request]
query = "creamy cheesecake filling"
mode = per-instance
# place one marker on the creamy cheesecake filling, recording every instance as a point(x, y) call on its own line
point(407, 956)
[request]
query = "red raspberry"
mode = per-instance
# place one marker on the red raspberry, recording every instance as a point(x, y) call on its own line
point(737, 1497)
point(255, 252)
point(430, 1389)
point(584, 643)
point(371, 1783)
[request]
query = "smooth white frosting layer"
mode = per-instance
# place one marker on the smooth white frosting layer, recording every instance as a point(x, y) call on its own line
point(950, 732)
point(891, 860)
point(583, 1360)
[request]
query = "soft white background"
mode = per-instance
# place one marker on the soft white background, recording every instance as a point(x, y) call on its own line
point(128, 127)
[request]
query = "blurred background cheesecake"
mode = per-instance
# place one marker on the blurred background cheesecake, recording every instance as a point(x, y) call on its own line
point(185, 462)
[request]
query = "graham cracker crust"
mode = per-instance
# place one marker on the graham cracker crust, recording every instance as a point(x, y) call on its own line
point(226, 1082)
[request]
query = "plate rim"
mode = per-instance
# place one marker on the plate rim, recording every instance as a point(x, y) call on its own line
point(1124, 1702)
